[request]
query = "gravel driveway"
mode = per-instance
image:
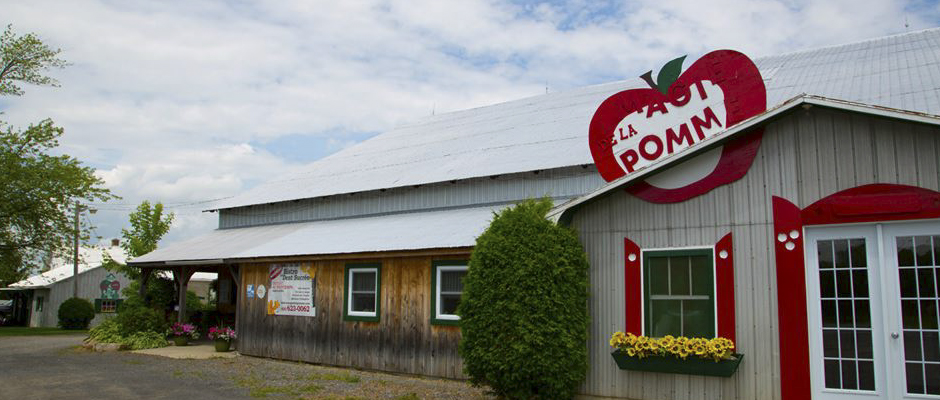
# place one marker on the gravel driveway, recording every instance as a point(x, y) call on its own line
point(54, 367)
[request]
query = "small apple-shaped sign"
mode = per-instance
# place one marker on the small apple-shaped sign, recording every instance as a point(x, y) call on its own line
point(638, 128)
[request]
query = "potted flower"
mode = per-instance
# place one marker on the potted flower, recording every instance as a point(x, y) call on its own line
point(181, 333)
point(677, 355)
point(223, 337)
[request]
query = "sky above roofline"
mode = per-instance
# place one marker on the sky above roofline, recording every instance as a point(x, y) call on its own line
point(184, 102)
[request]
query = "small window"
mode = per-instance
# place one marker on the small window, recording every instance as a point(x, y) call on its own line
point(39, 303)
point(363, 292)
point(108, 306)
point(678, 293)
point(446, 289)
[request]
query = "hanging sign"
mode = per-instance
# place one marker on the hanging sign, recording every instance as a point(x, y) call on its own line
point(638, 128)
point(293, 290)
point(250, 291)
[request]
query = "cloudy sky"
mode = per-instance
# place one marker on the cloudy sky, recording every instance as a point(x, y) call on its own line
point(188, 101)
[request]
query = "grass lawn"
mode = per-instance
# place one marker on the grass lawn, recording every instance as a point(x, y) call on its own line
point(24, 331)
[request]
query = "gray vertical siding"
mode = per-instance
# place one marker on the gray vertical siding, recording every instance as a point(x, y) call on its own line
point(88, 288)
point(803, 157)
point(561, 183)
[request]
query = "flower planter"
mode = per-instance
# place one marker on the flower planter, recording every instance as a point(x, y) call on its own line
point(222, 345)
point(180, 340)
point(671, 365)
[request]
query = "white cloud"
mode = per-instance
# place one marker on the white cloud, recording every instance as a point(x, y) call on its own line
point(163, 97)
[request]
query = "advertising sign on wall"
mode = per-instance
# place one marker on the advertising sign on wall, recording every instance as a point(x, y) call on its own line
point(292, 290)
point(636, 129)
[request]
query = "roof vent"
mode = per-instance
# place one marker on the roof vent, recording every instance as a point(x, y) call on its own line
point(115, 242)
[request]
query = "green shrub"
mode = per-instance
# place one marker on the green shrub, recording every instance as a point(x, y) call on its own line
point(140, 319)
point(524, 307)
point(109, 331)
point(76, 313)
point(145, 340)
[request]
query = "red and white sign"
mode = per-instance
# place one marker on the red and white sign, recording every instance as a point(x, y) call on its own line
point(638, 128)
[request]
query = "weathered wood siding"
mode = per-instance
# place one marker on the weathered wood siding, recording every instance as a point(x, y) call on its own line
point(803, 157)
point(402, 341)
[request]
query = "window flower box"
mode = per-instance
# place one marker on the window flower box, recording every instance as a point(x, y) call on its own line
point(682, 355)
point(672, 365)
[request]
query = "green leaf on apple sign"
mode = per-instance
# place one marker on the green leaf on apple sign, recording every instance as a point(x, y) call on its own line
point(669, 74)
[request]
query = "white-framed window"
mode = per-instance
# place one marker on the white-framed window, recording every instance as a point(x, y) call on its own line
point(447, 287)
point(363, 292)
point(678, 292)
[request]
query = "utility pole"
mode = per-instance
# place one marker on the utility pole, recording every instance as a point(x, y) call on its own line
point(78, 212)
point(75, 253)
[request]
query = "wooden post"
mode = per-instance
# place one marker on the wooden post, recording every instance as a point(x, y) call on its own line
point(234, 272)
point(144, 279)
point(182, 274)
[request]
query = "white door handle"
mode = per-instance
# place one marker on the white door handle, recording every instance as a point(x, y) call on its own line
point(894, 335)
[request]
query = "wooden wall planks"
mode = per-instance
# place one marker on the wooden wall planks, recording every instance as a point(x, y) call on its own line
point(402, 341)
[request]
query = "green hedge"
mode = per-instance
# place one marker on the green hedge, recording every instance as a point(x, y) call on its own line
point(76, 313)
point(524, 307)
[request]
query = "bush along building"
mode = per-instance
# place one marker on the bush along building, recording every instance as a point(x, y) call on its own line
point(37, 298)
point(787, 203)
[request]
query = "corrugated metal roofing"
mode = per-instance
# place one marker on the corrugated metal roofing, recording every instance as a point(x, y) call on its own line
point(407, 231)
point(550, 131)
point(89, 258)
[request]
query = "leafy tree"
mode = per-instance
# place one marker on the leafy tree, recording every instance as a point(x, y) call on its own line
point(24, 59)
point(38, 189)
point(148, 225)
point(523, 313)
point(37, 197)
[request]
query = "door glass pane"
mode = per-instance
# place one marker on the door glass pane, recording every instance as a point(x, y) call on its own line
point(917, 280)
point(841, 249)
point(866, 375)
point(846, 314)
point(827, 284)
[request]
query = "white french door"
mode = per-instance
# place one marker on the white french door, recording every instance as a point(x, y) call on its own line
point(873, 310)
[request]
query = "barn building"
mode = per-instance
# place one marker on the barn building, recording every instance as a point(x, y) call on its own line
point(36, 299)
point(790, 204)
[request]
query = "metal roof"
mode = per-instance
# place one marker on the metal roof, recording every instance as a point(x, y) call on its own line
point(406, 231)
point(557, 213)
point(62, 269)
point(550, 131)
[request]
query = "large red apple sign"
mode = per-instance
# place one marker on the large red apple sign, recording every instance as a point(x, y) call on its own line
point(638, 128)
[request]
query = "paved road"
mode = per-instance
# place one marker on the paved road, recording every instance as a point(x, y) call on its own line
point(54, 367)
point(50, 367)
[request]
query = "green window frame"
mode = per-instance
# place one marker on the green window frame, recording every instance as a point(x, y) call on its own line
point(439, 316)
point(679, 293)
point(107, 306)
point(355, 290)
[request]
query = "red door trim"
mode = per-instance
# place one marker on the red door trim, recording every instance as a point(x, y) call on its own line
point(867, 203)
point(791, 301)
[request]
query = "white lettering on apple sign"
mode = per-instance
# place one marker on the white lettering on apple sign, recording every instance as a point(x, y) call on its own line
point(660, 130)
